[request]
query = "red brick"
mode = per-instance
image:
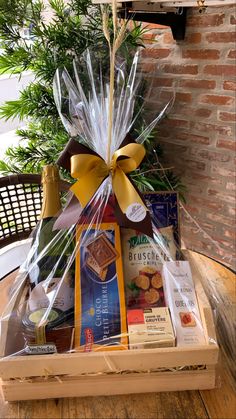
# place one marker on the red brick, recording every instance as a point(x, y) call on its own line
point(217, 100)
point(231, 186)
point(168, 38)
point(162, 82)
point(222, 171)
point(149, 67)
point(229, 85)
point(154, 26)
point(219, 218)
point(193, 164)
point(204, 113)
point(165, 95)
point(204, 178)
point(232, 53)
point(176, 148)
point(201, 54)
point(198, 84)
point(230, 234)
point(183, 97)
point(221, 37)
point(220, 70)
point(231, 211)
point(213, 156)
point(227, 116)
point(149, 38)
point(222, 196)
point(202, 202)
point(224, 243)
point(206, 20)
point(200, 126)
point(193, 38)
point(156, 52)
point(192, 138)
point(164, 132)
point(175, 122)
point(228, 145)
point(180, 69)
point(233, 20)
point(181, 109)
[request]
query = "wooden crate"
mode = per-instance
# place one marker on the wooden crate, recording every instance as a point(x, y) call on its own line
point(115, 372)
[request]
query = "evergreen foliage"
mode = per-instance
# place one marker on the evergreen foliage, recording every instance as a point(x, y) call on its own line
point(74, 26)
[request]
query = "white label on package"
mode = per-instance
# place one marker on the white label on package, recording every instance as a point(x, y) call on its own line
point(182, 301)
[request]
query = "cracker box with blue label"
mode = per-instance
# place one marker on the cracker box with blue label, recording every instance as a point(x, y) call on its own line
point(100, 313)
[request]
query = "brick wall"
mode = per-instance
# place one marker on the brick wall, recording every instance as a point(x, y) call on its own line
point(198, 136)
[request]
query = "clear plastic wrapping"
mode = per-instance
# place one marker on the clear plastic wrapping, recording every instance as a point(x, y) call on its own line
point(107, 272)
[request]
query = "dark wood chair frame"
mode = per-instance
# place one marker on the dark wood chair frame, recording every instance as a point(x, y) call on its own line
point(20, 206)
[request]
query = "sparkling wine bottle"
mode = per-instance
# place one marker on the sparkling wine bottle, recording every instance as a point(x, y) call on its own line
point(51, 298)
point(45, 251)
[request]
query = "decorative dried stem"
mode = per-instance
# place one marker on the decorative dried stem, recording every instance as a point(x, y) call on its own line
point(120, 37)
point(117, 41)
point(114, 16)
point(111, 99)
point(105, 28)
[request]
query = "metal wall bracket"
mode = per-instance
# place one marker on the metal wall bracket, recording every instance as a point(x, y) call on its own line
point(176, 20)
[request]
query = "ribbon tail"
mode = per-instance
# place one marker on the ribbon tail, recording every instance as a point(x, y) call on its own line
point(70, 215)
point(127, 194)
point(85, 188)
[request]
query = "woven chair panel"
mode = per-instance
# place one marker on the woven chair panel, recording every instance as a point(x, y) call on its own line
point(20, 206)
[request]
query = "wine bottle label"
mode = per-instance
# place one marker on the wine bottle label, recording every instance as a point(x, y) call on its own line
point(47, 348)
point(53, 293)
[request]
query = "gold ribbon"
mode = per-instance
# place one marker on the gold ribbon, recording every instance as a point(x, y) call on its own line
point(91, 170)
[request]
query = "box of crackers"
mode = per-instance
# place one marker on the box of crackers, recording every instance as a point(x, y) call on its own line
point(100, 311)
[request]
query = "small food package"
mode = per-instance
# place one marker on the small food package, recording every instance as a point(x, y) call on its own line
point(182, 301)
point(150, 328)
point(164, 208)
point(100, 313)
point(142, 261)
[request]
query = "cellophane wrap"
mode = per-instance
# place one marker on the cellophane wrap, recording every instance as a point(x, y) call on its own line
point(98, 285)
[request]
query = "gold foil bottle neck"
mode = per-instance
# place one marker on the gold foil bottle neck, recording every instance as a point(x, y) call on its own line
point(50, 174)
point(51, 193)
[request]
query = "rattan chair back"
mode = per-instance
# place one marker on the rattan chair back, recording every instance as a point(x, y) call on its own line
point(20, 206)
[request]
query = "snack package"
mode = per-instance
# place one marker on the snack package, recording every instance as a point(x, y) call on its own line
point(100, 313)
point(182, 301)
point(150, 328)
point(143, 261)
point(164, 207)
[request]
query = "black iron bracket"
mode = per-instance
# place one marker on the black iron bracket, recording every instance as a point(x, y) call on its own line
point(176, 20)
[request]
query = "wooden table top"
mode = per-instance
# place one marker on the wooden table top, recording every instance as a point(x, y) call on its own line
point(219, 403)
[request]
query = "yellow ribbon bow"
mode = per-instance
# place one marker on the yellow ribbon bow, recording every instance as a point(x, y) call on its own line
point(91, 170)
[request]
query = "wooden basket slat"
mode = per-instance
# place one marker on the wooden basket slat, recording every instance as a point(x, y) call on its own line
point(109, 385)
point(80, 363)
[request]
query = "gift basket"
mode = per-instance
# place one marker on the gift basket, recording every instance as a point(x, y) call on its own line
point(106, 302)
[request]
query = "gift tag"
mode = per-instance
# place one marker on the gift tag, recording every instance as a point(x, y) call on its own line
point(136, 212)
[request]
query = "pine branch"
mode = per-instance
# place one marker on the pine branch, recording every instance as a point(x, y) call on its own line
point(35, 101)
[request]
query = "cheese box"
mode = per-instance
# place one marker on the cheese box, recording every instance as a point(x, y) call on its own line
point(150, 328)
